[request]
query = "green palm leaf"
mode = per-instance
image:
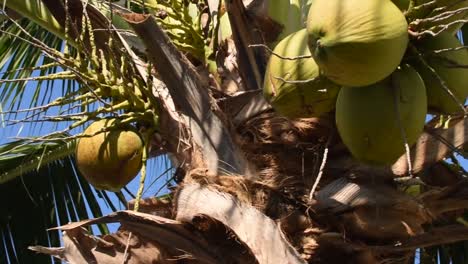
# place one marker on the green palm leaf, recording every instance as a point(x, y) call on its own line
point(48, 197)
point(22, 157)
point(19, 60)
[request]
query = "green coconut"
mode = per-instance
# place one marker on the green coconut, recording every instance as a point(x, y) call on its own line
point(455, 79)
point(109, 160)
point(295, 100)
point(287, 13)
point(357, 42)
point(367, 120)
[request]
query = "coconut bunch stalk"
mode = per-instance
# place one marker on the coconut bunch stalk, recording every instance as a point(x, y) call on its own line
point(442, 65)
point(434, 17)
point(437, 54)
point(182, 22)
point(111, 151)
point(102, 81)
point(102, 84)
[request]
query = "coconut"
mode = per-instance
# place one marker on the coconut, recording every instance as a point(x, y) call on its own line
point(109, 160)
point(278, 19)
point(287, 13)
point(367, 120)
point(443, 63)
point(294, 100)
point(357, 42)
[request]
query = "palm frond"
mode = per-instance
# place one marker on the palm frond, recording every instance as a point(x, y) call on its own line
point(39, 184)
point(47, 187)
point(19, 60)
point(35, 10)
point(23, 156)
point(456, 253)
point(39, 200)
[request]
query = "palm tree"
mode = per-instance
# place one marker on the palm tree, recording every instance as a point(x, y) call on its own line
point(185, 75)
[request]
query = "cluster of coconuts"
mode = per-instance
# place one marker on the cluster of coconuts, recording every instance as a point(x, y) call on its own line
point(353, 58)
point(110, 159)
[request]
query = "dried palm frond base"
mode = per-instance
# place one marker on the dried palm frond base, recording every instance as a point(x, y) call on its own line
point(356, 216)
point(144, 238)
point(232, 231)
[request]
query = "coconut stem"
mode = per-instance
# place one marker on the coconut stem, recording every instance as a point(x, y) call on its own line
point(295, 81)
point(442, 82)
point(396, 91)
point(416, 9)
point(279, 56)
point(146, 140)
point(322, 167)
point(127, 247)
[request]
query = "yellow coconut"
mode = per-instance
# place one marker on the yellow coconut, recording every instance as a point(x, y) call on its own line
point(109, 160)
point(444, 64)
point(292, 99)
point(357, 42)
point(367, 120)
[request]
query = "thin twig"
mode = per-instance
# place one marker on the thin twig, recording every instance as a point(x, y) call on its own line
point(396, 104)
point(445, 142)
point(277, 55)
point(127, 247)
point(295, 81)
point(441, 81)
point(441, 28)
point(49, 137)
point(53, 76)
point(444, 15)
point(157, 178)
point(448, 49)
point(147, 140)
point(35, 68)
point(322, 167)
